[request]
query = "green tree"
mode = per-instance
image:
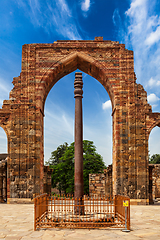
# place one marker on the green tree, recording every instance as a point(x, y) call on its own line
point(63, 167)
point(63, 172)
point(92, 163)
point(57, 154)
point(155, 159)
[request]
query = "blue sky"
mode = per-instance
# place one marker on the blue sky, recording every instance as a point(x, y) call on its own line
point(136, 23)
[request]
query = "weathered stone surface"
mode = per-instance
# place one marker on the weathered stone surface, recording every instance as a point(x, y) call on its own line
point(101, 184)
point(47, 179)
point(22, 115)
point(155, 181)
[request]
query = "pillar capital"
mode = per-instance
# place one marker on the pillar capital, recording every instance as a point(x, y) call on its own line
point(78, 85)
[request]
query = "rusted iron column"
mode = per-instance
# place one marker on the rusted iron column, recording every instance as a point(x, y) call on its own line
point(78, 166)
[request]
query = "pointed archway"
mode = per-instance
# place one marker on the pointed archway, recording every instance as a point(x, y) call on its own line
point(42, 66)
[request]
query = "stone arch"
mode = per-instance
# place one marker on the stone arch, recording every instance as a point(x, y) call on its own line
point(73, 61)
point(153, 168)
point(22, 115)
point(153, 125)
point(4, 119)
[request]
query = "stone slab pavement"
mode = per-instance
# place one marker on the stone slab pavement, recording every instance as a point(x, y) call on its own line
point(16, 222)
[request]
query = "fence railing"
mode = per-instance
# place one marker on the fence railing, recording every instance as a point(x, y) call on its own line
point(98, 212)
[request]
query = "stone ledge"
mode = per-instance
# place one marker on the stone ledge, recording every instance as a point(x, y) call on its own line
point(20, 200)
point(139, 201)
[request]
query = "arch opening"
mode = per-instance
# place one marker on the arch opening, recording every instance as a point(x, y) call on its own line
point(154, 164)
point(59, 113)
point(3, 141)
point(154, 141)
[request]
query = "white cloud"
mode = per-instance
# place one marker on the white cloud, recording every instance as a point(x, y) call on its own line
point(152, 98)
point(85, 5)
point(62, 20)
point(4, 91)
point(106, 105)
point(137, 14)
point(153, 37)
point(142, 35)
point(101, 136)
point(51, 16)
point(64, 7)
point(135, 4)
point(116, 16)
point(4, 87)
point(152, 82)
point(58, 128)
point(1, 102)
point(68, 123)
point(64, 122)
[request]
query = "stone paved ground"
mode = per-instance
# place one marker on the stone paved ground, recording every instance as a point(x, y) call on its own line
point(16, 222)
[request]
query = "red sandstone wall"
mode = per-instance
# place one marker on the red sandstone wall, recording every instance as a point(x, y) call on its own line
point(156, 181)
point(101, 184)
point(22, 116)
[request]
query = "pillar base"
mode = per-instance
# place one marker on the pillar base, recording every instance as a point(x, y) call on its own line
point(139, 201)
point(20, 201)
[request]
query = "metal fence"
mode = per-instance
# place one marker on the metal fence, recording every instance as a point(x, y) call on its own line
point(98, 212)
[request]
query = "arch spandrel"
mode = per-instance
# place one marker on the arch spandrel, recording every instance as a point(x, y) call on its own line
point(152, 120)
point(44, 64)
point(5, 120)
point(108, 65)
point(68, 64)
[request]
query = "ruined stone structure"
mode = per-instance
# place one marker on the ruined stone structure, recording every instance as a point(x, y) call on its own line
point(154, 182)
point(3, 178)
point(47, 179)
point(22, 115)
point(100, 184)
